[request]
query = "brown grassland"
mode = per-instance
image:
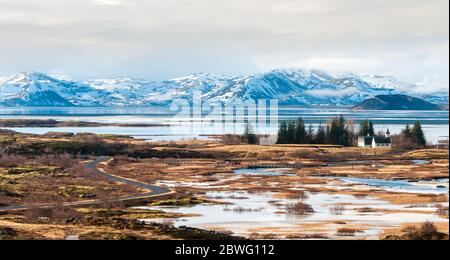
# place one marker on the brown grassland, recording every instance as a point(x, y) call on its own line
point(38, 170)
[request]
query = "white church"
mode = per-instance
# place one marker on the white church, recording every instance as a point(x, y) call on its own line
point(375, 141)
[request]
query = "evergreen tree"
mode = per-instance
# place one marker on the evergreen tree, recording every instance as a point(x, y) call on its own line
point(328, 134)
point(291, 133)
point(300, 132)
point(407, 132)
point(417, 134)
point(321, 135)
point(249, 135)
point(338, 132)
point(283, 134)
point(333, 134)
point(366, 128)
point(343, 133)
point(371, 129)
point(310, 135)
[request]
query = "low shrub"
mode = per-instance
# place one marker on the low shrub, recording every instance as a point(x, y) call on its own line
point(347, 232)
point(337, 210)
point(299, 208)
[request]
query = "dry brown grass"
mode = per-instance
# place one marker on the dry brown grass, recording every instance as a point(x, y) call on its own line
point(411, 228)
point(45, 231)
point(442, 211)
point(348, 231)
point(218, 172)
point(428, 153)
point(41, 184)
point(389, 170)
point(312, 236)
point(301, 195)
point(405, 198)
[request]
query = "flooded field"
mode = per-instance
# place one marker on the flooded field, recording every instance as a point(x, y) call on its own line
point(266, 214)
point(204, 187)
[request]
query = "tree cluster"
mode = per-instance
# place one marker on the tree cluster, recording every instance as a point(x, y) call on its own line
point(336, 132)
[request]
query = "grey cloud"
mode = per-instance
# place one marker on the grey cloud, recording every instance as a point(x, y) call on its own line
point(160, 39)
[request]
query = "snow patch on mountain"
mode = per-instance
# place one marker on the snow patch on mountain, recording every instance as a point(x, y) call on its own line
point(289, 86)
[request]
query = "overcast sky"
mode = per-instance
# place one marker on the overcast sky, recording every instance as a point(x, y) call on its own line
point(162, 39)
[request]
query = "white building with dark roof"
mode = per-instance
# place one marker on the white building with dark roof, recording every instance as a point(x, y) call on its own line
point(375, 141)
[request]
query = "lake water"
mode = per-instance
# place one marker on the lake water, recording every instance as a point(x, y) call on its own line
point(435, 123)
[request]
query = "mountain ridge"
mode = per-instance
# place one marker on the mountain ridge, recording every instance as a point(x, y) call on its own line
point(290, 86)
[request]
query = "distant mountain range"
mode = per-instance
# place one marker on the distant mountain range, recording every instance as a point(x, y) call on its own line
point(396, 102)
point(291, 87)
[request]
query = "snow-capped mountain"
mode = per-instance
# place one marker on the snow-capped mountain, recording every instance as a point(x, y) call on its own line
point(290, 87)
point(38, 89)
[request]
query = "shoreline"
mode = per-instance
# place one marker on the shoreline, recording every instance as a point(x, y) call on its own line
point(50, 123)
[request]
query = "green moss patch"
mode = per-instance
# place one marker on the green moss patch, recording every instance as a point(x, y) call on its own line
point(181, 202)
point(15, 173)
point(114, 137)
point(131, 214)
point(82, 192)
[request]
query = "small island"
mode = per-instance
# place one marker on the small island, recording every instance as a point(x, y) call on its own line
point(18, 123)
point(396, 102)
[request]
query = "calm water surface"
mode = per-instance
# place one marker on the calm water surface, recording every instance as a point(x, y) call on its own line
point(435, 123)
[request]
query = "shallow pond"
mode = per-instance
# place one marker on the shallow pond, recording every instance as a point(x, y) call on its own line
point(424, 187)
point(244, 214)
point(264, 213)
point(420, 162)
point(264, 172)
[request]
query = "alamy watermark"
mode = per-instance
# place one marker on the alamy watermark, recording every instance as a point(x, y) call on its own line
point(196, 117)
